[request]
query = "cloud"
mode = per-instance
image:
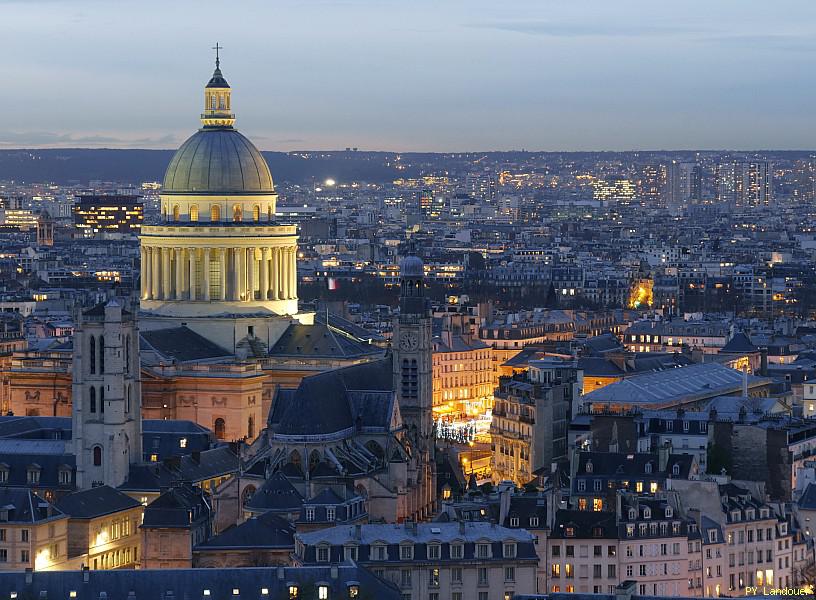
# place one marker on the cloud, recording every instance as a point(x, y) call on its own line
point(584, 30)
point(18, 139)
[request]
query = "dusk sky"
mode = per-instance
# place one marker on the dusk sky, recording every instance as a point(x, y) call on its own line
point(414, 75)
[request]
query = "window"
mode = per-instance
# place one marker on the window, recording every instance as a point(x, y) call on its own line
point(433, 551)
point(509, 573)
point(610, 571)
point(323, 554)
point(379, 552)
point(456, 575)
point(405, 578)
point(24, 556)
point(456, 551)
point(3, 555)
point(310, 513)
point(556, 550)
point(323, 592)
point(483, 550)
point(483, 579)
point(569, 573)
point(433, 578)
point(509, 550)
point(215, 213)
point(406, 552)
point(533, 521)
point(330, 513)
point(514, 522)
point(92, 357)
point(350, 553)
point(555, 570)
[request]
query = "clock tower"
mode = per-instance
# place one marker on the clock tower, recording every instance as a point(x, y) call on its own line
point(413, 381)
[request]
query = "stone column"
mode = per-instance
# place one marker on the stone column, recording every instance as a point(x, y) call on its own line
point(236, 274)
point(179, 261)
point(273, 274)
point(143, 277)
point(193, 252)
point(205, 268)
point(222, 272)
point(280, 273)
point(251, 274)
point(166, 291)
point(285, 272)
point(293, 273)
point(155, 292)
point(264, 272)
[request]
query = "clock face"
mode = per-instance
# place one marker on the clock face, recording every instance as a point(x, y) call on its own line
point(409, 341)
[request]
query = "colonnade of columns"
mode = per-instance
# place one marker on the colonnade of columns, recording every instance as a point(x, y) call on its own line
point(237, 274)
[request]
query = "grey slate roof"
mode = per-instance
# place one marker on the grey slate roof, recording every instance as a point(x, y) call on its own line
point(24, 506)
point(320, 341)
point(95, 502)
point(191, 583)
point(264, 531)
point(182, 344)
point(425, 532)
point(276, 494)
point(334, 401)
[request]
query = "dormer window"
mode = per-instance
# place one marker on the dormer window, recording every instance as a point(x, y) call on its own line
point(330, 514)
point(675, 469)
point(589, 466)
point(514, 521)
point(569, 531)
point(685, 425)
point(434, 551)
point(407, 552)
point(647, 513)
point(632, 514)
point(712, 536)
point(735, 516)
point(4, 473)
point(669, 512)
point(33, 475)
point(310, 513)
point(533, 521)
point(750, 514)
point(648, 468)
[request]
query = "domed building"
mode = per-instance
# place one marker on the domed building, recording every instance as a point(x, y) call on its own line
point(219, 262)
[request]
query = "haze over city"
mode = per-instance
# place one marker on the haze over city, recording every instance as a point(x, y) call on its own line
point(421, 76)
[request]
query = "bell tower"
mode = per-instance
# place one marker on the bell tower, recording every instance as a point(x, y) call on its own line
point(106, 414)
point(413, 380)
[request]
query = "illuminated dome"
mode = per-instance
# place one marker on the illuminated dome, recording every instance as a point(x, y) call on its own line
point(218, 160)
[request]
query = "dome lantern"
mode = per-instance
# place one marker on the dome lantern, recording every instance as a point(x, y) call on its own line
point(217, 100)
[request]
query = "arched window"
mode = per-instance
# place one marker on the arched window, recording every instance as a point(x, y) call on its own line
point(256, 213)
point(176, 212)
point(219, 427)
point(236, 212)
point(92, 399)
point(294, 458)
point(92, 360)
point(215, 213)
point(314, 459)
point(102, 399)
point(97, 456)
point(194, 212)
point(101, 353)
point(251, 427)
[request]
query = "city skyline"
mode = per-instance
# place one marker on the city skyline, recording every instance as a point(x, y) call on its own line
point(422, 77)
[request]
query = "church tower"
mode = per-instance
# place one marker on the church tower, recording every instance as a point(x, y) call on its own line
point(413, 379)
point(106, 418)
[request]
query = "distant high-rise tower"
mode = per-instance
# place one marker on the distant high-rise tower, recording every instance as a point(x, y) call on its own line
point(744, 184)
point(683, 183)
point(106, 417)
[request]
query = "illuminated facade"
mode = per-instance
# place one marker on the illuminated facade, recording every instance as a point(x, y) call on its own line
point(219, 258)
point(105, 214)
point(462, 376)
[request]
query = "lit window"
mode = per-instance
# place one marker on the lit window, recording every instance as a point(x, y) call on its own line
point(183, 443)
point(323, 592)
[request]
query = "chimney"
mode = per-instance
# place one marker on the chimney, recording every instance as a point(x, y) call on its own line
point(281, 573)
point(29, 575)
point(763, 362)
point(334, 572)
point(745, 382)
point(86, 574)
point(504, 500)
point(663, 456)
point(358, 531)
point(462, 527)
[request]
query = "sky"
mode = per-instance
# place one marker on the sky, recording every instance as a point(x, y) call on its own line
point(414, 75)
